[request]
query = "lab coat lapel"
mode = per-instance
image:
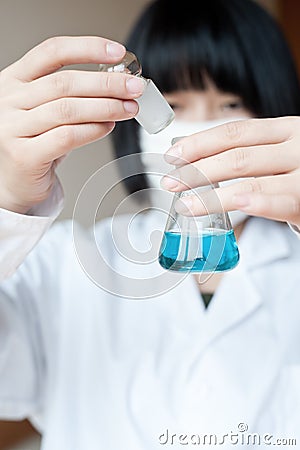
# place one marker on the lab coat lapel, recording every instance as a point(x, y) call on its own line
point(234, 300)
point(238, 294)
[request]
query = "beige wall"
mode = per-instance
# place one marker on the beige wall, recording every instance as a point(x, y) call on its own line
point(272, 5)
point(24, 23)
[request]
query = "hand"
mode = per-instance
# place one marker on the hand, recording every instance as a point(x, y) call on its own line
point(266, 149)
point(44, 114)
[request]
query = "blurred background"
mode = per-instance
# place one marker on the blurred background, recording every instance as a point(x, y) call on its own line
point(25, 23)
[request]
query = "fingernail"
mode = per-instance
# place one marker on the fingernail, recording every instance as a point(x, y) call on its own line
point(135, 85)
point(241, 200)
point(173, 154)
point(114, 49)
point(184, 205)
point(131, 106)
point(169, 183)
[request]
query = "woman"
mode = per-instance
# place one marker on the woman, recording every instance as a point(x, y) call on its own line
point(96, 370)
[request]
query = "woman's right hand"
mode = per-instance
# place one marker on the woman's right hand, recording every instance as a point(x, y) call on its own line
point(263, 151)
point(45, 113)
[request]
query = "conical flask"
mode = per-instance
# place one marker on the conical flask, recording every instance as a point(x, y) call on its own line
point(198, 244)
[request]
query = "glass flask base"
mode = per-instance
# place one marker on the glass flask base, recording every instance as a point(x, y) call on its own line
point(219, 252)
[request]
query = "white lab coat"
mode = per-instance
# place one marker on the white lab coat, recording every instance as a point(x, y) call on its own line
point(96, 371)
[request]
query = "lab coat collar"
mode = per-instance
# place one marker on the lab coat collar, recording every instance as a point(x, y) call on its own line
point(238, 295)
point(235, 299)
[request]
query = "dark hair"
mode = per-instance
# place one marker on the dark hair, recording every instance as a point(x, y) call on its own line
point(237, 44)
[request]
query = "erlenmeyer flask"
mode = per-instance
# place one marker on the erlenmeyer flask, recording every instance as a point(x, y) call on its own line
point(198, 244)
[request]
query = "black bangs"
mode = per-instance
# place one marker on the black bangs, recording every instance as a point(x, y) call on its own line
point(180, 45)
point(180, 48)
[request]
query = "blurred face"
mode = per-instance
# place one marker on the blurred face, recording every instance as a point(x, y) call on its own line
point(211, 104)
point(195, 111)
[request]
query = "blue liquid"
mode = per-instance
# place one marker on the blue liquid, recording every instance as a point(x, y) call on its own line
point(218, 252)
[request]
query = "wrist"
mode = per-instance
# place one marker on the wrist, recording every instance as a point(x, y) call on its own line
point(10, 201)
point(9, 204)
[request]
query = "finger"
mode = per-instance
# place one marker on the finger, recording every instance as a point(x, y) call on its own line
point(57, 52)
point(242, 133)
point(71, 111)
point(224, 199)
point(79, 84)
point(61, 140)
point(185, 177)
point(241, 162)
point(283, 207)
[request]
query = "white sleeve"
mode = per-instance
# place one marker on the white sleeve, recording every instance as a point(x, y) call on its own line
point(295, 229)
point(20, 233)
point(30, 308)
